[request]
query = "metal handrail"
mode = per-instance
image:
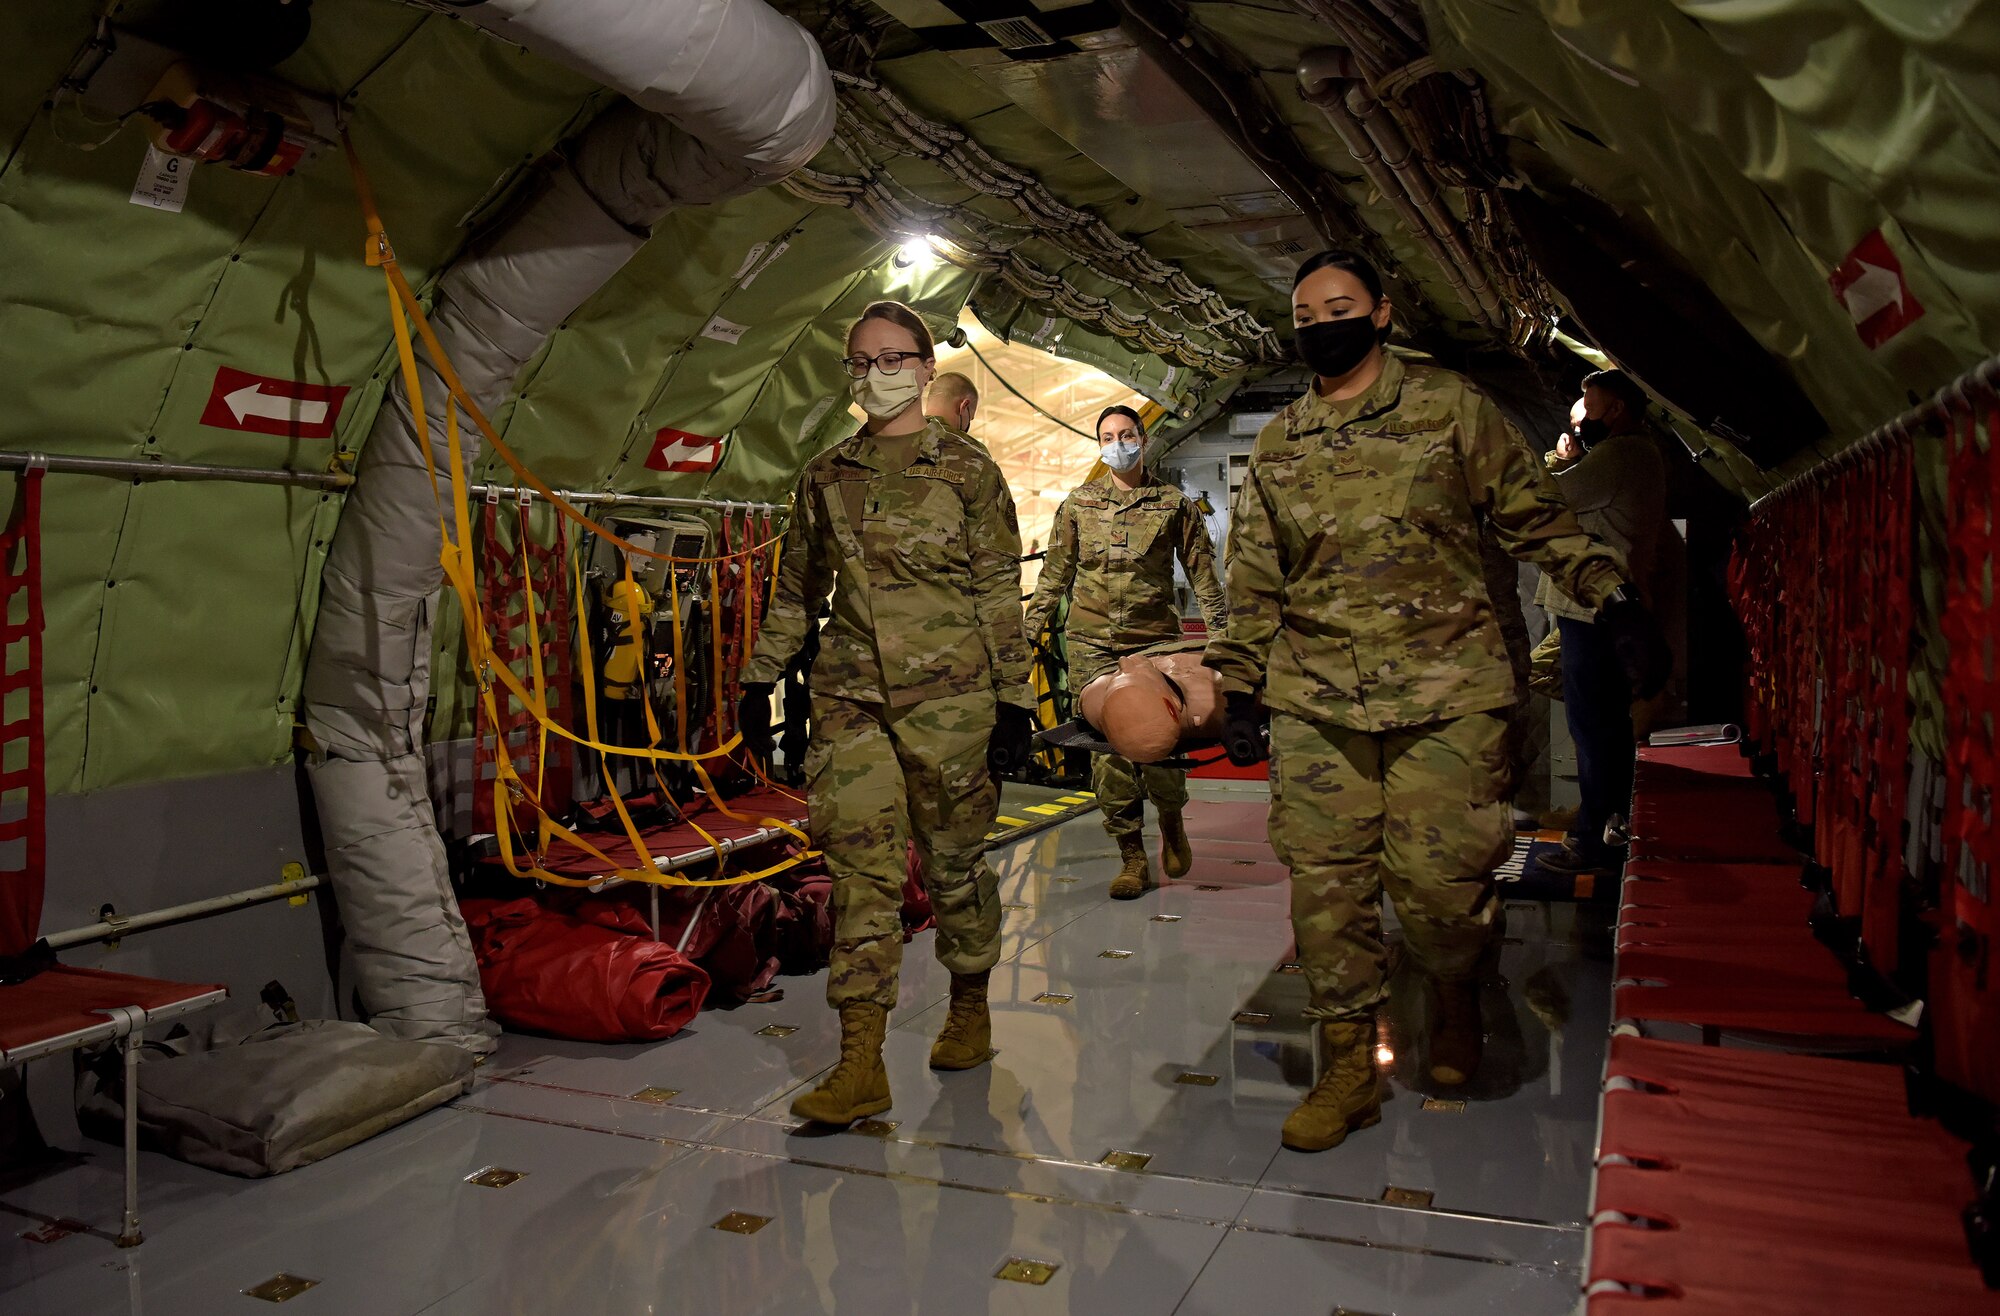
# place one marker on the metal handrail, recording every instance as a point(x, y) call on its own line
point(113, 929)
point(609, 498)
point(1984, 377)
point(141, 469)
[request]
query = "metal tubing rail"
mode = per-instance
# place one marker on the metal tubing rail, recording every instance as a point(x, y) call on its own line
point(112, 929)
point(681, 862)
point(608, 498)
point(1984, 377)
point(62, 464)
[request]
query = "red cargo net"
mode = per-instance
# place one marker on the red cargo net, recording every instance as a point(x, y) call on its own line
point(545, 762)
point(1965, 978)
point(1823, 579)
point(23, 792)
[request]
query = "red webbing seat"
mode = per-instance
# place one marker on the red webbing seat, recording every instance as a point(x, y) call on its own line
point(62, 1001)
point(1660, 883)
point(1710, 904)
point(61, 1009)
point(1775, 986)
point(1766, 1183)
point(1698, 833)
point(1728, 946)
point(1713, 763)
point(1700, 802)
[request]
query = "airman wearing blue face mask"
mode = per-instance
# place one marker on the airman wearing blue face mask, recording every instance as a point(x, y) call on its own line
point(1111, 552)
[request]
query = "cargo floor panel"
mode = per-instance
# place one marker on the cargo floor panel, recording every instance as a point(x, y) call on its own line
point(1119, 1154)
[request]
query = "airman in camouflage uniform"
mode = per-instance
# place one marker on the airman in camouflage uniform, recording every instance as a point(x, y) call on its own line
point(1359, 611)
point(918, 542)
point(1112, 553)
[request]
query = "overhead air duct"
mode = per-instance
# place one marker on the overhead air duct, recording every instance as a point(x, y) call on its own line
point(728, 96)
point(1329, 79)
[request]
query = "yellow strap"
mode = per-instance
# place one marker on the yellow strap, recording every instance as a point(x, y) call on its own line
point(455, 558)
point(379, 252)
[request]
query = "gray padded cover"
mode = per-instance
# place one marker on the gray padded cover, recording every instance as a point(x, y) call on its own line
point(285, 1097)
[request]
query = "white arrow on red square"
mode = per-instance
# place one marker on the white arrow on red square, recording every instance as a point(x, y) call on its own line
point(259, 404)
point(1872, 289)
point(683, 453)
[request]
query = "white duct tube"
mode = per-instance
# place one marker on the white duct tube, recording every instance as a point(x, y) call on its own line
point(734, 97)
point(1324, 77)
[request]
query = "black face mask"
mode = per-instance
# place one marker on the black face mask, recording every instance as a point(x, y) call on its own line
point(1331, 348)
point(1590, 431)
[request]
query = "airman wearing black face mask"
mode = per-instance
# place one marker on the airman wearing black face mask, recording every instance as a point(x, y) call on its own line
point(1359, 617)
point(1616, 487)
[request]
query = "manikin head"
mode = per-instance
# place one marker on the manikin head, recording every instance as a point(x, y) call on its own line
point(1153, 702)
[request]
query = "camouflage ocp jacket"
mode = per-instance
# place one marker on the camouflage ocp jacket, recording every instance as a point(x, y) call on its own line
point(924, 567)
point(1356, 593)
point(1112, 552)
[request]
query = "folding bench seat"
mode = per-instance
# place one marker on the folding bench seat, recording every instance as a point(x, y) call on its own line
point(62, 1009)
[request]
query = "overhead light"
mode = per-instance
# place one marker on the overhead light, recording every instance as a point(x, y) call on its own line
point(918, 253)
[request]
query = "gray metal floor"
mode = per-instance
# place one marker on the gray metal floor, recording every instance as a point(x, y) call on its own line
point(619, 1199)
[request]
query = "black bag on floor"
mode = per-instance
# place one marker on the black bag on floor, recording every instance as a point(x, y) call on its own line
point(284, 1097)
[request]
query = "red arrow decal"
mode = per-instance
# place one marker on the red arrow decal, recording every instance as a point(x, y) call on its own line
point(680, 452)
point(1871, 288)
point(259, 404)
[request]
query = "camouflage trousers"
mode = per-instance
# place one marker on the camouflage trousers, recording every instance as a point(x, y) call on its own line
point(1421, 810)
point(881, 778)
point(1122, 787)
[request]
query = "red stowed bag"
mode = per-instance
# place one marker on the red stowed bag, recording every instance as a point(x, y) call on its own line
point(734, 934)
point(553, 974)
point(805, 916)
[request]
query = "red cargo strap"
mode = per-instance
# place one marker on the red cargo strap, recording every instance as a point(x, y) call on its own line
point(543, 761)
point(23, 788)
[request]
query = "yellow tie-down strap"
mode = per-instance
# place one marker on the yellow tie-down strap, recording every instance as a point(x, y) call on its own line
point(455, 556)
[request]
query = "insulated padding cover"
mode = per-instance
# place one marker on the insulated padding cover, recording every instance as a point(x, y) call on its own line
point(285, 1097)
point(549, 973)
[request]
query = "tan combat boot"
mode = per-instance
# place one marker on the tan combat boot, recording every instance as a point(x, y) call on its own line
point(1456, 1032)
point(1135, 878)
point(966, 1041)
point(1176, 855)
point(1347, 1095)
point(858, 1086)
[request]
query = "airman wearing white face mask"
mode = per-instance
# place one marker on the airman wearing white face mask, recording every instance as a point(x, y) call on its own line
point(920, 697)
point(1112, 554)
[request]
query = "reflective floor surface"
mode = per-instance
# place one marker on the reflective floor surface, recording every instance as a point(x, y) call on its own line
point(1121, 1148)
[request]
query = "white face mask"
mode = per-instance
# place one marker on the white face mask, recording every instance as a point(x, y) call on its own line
point(886, 397)
point(1121, 455)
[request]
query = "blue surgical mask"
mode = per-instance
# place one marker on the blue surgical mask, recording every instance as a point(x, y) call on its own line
point(1120, 456)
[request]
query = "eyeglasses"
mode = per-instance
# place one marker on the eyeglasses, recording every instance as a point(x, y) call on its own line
point(890, 363)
